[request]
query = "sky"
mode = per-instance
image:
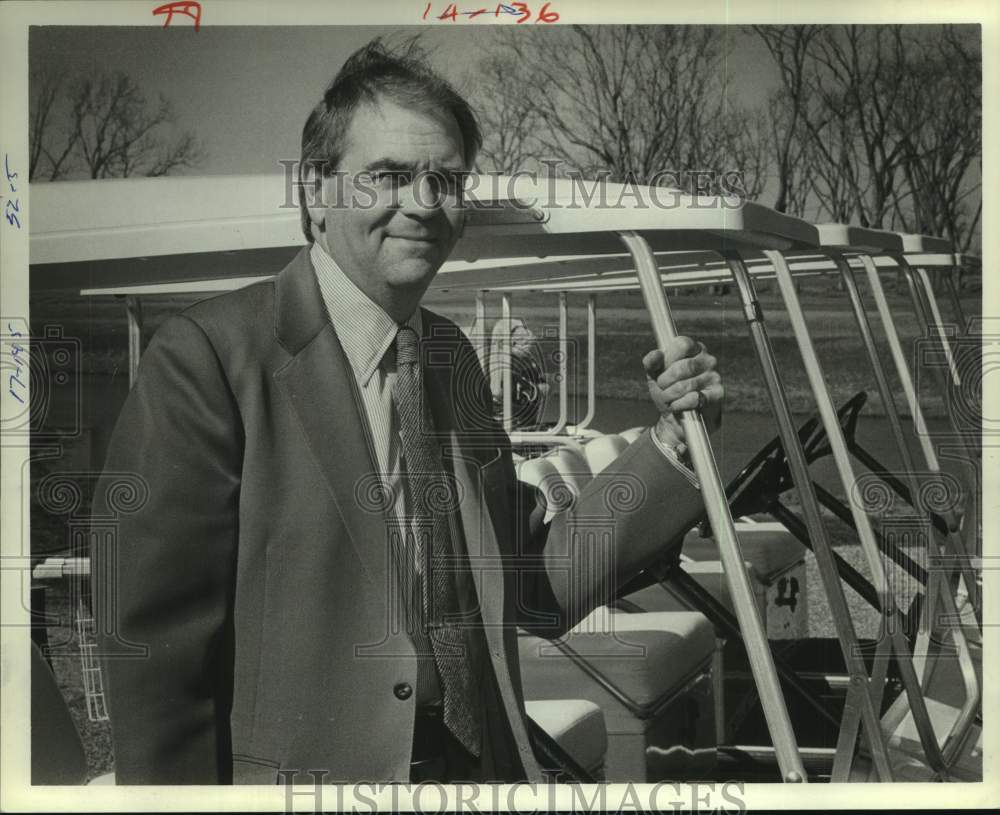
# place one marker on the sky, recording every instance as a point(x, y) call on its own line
point(246, 91)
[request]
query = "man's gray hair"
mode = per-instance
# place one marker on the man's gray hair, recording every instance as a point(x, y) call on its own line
point(371, 72)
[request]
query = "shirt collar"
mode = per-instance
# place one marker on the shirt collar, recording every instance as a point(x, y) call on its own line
point(364, 329)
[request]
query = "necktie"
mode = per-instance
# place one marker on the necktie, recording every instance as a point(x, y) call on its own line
point(451, 644)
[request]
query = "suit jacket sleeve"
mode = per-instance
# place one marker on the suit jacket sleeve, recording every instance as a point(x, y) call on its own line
point(618, 525)
point(180, 433)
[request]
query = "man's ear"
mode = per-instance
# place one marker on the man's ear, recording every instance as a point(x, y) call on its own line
point(312, 190)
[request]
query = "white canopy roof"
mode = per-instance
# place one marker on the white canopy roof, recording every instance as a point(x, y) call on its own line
point(214, 233)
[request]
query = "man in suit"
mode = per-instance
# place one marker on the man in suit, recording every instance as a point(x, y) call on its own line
point(311, 603)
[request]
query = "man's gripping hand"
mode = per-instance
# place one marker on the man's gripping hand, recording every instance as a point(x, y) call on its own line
point(683, 377)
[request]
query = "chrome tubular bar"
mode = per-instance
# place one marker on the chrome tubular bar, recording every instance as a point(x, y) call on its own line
point(563, 362)
point(949, 386)
point(563, 366)
point(866, 536)
point(479, 341)
point(931, 300)
point(955, 542)
point(717, 508)
point(591, 363)
point(505, 362)
point(925, 301)
point(133, 312)
point(953, 295)
point(933, 582)
point(863, 702)
point(938, 587)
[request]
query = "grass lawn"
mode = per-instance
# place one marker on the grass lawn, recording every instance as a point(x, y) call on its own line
point(623, 331)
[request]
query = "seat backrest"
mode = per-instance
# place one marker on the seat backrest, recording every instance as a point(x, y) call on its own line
point(572, 466)
point(632, 434)
point(601, 451)
point(542, 474)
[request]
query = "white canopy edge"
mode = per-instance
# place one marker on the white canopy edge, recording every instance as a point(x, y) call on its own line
point(586, 273)
point(74, 221)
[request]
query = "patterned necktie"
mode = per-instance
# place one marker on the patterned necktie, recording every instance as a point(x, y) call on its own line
point(451, 644)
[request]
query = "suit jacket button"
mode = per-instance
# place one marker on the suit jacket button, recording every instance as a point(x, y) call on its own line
point(403, 690)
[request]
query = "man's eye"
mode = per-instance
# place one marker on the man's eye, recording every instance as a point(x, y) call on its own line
point(390, 178)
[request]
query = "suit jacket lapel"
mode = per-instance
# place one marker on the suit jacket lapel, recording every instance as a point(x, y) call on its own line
point(323, 392)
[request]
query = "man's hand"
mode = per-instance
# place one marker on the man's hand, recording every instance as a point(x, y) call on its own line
point(683, 379)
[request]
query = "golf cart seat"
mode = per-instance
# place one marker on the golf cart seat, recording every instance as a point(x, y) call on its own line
point(651, 674)
point(577, 726)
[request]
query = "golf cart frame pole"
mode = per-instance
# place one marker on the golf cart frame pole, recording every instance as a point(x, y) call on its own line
point(563, 366)
point(889, 404)
point(591, 362)
point(920, 427)
point(133, 313)
point(479, 340)
point(865, 703)
point(556, 431)
point(970, 440)
point(949, 384)
point(506, 372)
point(717, 508)
point(951, 287)
point(881, 381)
point(890, 614)
point(938, 585)
point(930, 299)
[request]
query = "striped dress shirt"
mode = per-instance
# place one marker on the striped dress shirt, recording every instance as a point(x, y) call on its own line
point(367, 334)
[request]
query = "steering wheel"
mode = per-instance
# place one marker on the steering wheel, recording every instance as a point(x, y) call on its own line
point(768, 474)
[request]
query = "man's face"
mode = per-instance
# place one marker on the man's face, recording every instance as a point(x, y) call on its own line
point(396, 225)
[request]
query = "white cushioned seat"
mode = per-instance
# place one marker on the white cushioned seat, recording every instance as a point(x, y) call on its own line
point(768, 548)
point(572, 465)
point(645, 656)
point(775, 562)
point(601, 451)
point(632, 434)
point(649, 673)
point(577, 726)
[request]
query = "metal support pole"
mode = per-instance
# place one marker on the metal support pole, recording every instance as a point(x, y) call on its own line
point(937, 588)
point(479, 339)
point(563, 366)
point(949, 386)
point(717, 508)
point(866, 536)
point(935, 313)
point(825, 557)
point(563, 376)
point(920, 426)
point(591, 363)
point(133, 311)
point(507, 374)
point(956, 302)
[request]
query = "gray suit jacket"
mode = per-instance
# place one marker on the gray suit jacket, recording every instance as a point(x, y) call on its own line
point(251, 567)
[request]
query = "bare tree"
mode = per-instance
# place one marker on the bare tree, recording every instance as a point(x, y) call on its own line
point(941, 127)
point(789, 47)
point(109, 130)
point(42, 111)
point(508, 121)
point(118, 130)
point(890, 124)
point(628, 102)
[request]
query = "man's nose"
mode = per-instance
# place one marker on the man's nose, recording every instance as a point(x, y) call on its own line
point(422, 197)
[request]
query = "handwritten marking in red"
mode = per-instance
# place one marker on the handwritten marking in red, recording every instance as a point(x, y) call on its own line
point(189, 8)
